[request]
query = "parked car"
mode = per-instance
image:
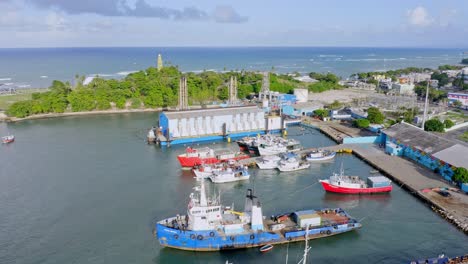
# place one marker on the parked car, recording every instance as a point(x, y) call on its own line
point(444, 193)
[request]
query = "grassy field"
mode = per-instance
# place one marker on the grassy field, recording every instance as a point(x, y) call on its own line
point(7, 99)
point(464, 137)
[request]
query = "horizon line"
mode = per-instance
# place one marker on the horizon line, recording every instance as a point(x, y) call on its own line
point(240, 46)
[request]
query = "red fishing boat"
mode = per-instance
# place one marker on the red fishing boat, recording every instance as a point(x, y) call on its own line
point(193, 157)
point(339, 183)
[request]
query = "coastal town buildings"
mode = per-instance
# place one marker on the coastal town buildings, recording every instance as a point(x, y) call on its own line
point(460, 97)
point(403, 88)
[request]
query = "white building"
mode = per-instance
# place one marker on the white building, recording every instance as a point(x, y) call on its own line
point(461, 97)
point(191, 124)
point(416, 77)
point(403, 88)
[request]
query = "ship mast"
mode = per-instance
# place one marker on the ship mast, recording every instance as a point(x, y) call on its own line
point(306, 248)
point(202, 194)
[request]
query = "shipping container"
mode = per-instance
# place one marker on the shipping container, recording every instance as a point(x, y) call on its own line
point(308, 217)
point(378, 181)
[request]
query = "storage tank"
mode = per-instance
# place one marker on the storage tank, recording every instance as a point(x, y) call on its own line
point(265, 103)
point(302, 95)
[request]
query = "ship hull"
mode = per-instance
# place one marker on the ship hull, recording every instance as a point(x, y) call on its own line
point(267, 166)
point(211, 240)
point(189, 162)
point(324, 158)
point(340, 189)
point(194, 161)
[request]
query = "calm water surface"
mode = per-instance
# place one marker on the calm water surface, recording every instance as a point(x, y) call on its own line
point(88, 189)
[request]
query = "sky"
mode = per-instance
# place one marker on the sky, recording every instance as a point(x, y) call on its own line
point(153, 23)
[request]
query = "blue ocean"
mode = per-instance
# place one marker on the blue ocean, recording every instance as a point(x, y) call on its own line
point(38, 67)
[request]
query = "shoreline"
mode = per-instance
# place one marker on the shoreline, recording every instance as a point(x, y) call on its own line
point(5, 118)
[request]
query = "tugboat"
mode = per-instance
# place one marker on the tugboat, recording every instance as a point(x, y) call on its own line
point(193, 157)
point(320, 155)
point(210, 226)
point(230, 175)
point(268, 162)
point(8, 139)
point(340, 183)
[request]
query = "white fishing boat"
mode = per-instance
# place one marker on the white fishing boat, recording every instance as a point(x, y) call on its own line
point(292, 164)
point(205, 170)
point(8, 139)
point(268, 162)
point(271, 149)
point(230, 175)
point(320, 155)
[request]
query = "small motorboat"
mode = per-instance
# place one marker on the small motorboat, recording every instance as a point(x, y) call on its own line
point(320, 155)
point(266, 248)
point(8, 139)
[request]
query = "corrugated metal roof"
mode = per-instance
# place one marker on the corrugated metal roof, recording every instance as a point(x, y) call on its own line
point(212, 112)
point(378, 179)
point(456, 155)
point(305, 212)
point(413, 136)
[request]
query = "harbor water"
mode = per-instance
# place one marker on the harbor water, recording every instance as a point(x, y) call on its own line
point(89, 189)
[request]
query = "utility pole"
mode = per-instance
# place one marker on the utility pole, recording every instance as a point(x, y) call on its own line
point(425, 106)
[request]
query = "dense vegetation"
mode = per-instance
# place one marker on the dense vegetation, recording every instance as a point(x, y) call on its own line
point(375, 116)
point(464, 61)
point(321, 113)
point(361, 123)
point(448, 123)
point(148, 88)
point(393, 74)
point(441, 77)
point(326, 81)
point(435, 95)
point(283, 83)
point(434, 125)
point(460, 175)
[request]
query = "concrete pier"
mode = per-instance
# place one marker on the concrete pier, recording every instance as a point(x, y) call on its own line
point(417, 180)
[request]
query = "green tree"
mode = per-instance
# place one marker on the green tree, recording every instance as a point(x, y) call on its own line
point(82, 99)
point(448, 123)
point(434, 125)
point(20, 109)
point(321, 113)
point(361, 123)
point(154, 99)
point(375, 116)
point(460, 175)
point(136, 103)
point(464, 61)
point(441, 77)
point(456, 103)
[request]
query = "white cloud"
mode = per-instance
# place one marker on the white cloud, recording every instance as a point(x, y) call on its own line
point(419, 17)
point(56, 22)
